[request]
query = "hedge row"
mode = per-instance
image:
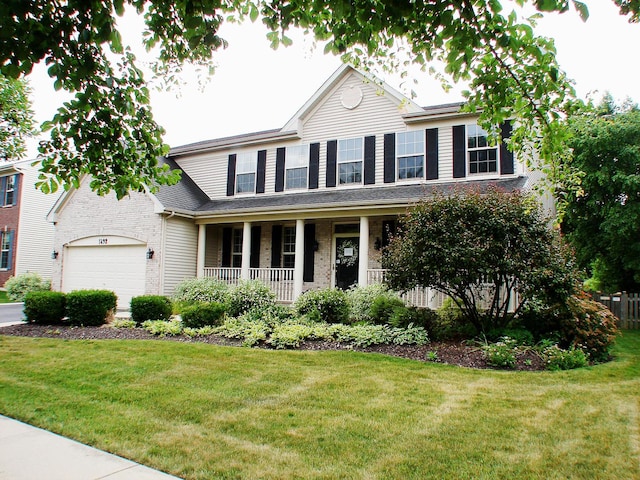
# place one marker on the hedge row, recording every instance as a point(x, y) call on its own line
point(81, 307)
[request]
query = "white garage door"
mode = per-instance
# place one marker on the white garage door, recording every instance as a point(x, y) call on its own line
point(119, 268)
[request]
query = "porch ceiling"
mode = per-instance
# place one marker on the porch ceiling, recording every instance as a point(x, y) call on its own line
point(337, 202)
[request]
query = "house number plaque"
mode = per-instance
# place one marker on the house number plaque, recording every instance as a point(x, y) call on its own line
point(103, 241)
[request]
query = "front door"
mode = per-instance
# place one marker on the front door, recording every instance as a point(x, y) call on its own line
point(346, 262)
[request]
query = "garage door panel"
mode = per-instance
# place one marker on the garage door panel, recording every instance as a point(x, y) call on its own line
point(120, 268)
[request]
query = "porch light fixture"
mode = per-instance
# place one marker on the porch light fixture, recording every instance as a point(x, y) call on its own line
point(54, 255)
point(150, 254)
point(316, 246)
point(377, 244)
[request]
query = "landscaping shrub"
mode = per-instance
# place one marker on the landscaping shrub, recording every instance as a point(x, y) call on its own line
point(90, 307)
point(249, 295)
point(450, 323)
point(418, 317)
point(46, 308)
point(18, 286)
point(556, 358)
point(150, 307)
point(203, 314)
point(384, 308)
point(201, 290)
point(163, 328)
point(330, 303)
point(590, 326)
point(501, 353)
point(361, 300)
point(520, 336)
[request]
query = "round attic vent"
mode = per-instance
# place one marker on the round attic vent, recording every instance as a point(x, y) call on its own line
point(351, 97)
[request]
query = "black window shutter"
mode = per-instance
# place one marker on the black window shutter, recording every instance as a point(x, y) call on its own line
point(369, 160)
point(227, 235)
point(314, 165)
point(389, 157)
point(254, 259)
point(3, 189)
point(388, 230)
point(332, 158)
point(262, 165)
point(276, 246)
point(231, 175)
point(506, 156)
point(280, 153)
point(309, 252)
point(459, 151)
point(432, 153)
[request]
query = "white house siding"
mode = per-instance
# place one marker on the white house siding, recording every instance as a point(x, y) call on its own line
point(85, 214)
point(209, 171)
point(181, 245)
point(35, 234)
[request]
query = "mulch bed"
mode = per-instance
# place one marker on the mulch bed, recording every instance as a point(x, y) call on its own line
point(452, 352)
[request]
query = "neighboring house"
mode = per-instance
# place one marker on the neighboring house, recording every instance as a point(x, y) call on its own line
point(26, 238)
point(306, 206)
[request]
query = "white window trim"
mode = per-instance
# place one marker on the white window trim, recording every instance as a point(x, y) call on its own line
point(4, 235)
point(341, 161)
point(287, 166)
point(234, 253)
point(415, 154)
point(253, 156)
point(284, 252)
point(468, 150)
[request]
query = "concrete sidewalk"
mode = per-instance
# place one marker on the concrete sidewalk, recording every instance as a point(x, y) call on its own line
point(30, 453)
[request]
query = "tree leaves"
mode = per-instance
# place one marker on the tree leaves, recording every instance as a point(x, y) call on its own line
point(16, 118)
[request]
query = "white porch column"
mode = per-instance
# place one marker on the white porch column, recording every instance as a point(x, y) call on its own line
point(363, 254)
point(246, 251)
point(298, 268)
point(202, 241)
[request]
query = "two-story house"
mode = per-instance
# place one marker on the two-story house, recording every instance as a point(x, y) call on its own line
point(306, 206)
point(26, 238)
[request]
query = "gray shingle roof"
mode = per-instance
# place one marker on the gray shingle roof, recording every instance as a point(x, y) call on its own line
point(184, 196)
point(373, 195)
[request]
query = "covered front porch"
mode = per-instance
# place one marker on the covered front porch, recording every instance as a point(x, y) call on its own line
point(293, 256)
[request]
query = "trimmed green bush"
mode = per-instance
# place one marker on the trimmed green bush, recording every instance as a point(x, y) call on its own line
point(203, 314)
point(46, 308)
point(201, 290)
point(150, 307)
point(249, 295)
point(90, 307)
point(418, 317)
point(384, 308)
point(330, 303)
point(556, 358)
point(361, 300)
point(17, 287)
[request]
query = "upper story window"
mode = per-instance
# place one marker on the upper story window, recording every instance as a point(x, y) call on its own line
point(350, 156)
point(5, 249)
point(297, 165)
point(482, 157)
point(410, 154)
point(7, 190)
point(246, 166)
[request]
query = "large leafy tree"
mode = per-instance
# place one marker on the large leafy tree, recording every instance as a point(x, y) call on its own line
point(107, 129)
point(16, 118)
point(602, 220)
point(480, 248)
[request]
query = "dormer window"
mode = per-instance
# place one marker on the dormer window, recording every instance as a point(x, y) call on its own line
point(297, 166)
point(410, 154)
point(246, 165)
point(350, 157)
point(482, 157)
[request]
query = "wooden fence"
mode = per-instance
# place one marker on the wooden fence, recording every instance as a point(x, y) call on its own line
point(625, 306)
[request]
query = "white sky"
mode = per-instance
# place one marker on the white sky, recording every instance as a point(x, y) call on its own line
point(256, 88)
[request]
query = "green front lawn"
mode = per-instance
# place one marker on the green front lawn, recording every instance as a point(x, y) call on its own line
point(4, 297)
point(206, 412)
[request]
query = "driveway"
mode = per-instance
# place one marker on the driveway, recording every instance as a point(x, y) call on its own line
point(11, 313)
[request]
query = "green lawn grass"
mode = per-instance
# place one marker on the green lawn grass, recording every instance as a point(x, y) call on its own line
point(207, 412)
point(4, 298)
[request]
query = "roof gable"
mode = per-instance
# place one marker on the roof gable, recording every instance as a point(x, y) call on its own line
point(348, 99)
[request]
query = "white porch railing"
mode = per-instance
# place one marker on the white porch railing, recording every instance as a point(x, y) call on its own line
point(279, 280)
